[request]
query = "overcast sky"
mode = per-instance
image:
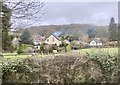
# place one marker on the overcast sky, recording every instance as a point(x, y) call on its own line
point(79, 12)
point(98, 13)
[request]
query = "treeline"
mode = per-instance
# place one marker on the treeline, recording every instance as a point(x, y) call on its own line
point(75, 29)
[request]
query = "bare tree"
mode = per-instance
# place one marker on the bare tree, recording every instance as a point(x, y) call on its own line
point(25, 13)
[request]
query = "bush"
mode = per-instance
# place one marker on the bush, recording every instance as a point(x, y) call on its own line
point(109, 65)
point(112, 44)
point(20, 49)
point(28, 50)
point(54, 47)
point(68, 48)
point(59, 69)
point(11, 48)
point(45, 48)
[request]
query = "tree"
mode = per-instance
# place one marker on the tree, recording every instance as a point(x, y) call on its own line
point(25, 13)
point(14, 14)
point(25, 38)
point(71, 37)
point(113, 30)
point(6, 38)
point(91, 33)
point(20, 49)
point(68, 48)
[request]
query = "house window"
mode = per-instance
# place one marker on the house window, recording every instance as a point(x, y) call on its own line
point(53, 39)
point(47, 40)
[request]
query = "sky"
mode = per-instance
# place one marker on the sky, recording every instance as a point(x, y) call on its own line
point(98, 13)
point(75, 12)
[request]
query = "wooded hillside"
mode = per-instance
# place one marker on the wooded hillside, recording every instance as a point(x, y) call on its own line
point(76, 29)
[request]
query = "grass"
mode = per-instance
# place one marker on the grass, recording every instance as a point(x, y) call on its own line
point(111, 51)
point(15, 55)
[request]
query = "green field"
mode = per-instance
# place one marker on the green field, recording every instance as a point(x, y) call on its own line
point(111, 51)
point(15, 55)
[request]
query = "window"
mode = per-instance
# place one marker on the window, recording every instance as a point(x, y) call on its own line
point(47, 40)
point(53, 39)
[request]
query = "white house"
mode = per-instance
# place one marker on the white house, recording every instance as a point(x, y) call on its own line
point(66, 41)
point(95, 42)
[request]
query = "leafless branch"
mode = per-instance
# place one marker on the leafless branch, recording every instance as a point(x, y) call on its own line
point(27, 10)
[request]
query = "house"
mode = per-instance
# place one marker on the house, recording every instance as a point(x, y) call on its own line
point(38, 39)
point(15, 41)
point(52, 39)
point(66, 41)
point(95, 42)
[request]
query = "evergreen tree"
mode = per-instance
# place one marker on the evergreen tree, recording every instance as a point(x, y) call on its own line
point(25, 38)
point(113, 30)
point(6, 38)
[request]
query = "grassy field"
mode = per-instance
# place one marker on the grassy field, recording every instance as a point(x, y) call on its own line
point(111, 51)
point(15, 55)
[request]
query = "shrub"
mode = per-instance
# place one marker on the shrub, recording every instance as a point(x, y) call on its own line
point(109, 65)
point(11, 48)
point(59, 69)
point(68, 48)
point(54, 47)
point(20, 49)
point(112, 44)
point(45, 48)
point(28, 50)
point(63, 44)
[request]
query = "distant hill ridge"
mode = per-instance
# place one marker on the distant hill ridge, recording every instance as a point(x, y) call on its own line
point(76, 29)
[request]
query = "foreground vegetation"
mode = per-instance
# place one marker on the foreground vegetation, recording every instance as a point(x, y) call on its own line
point(111, 51)
point(94, 67)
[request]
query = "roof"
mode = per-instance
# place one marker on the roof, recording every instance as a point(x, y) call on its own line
point(38, 38)
point(97, 40)
point(54, 36)
point(66, 41)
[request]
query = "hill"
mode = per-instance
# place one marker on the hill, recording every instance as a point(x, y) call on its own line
point(76, 29)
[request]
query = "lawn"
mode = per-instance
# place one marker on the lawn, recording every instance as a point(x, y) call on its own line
point(16, 56)
point(111, 51)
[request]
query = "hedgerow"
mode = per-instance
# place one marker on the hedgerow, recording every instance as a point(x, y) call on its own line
point(58, 69)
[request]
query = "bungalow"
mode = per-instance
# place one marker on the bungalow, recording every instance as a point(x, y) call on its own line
point(95, 42)
point(52, 39)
